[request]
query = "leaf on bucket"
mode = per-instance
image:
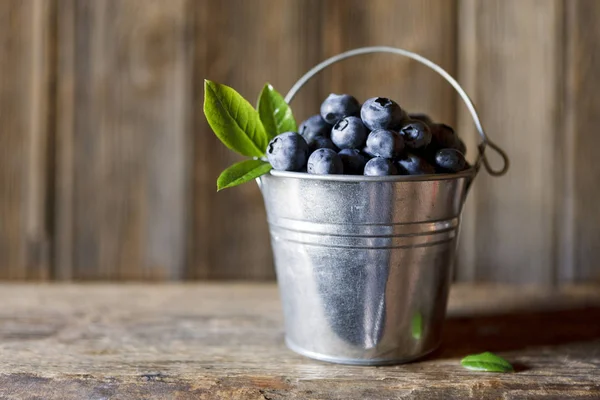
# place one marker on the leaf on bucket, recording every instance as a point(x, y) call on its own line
point(486, 362)
point(275, 114)
point(242, 172)
point(235, 122)
point(417, 326)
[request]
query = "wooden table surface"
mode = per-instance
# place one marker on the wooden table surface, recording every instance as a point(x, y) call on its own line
point(222, 341)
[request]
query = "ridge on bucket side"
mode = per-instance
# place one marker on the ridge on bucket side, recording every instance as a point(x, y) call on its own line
point(359, 261)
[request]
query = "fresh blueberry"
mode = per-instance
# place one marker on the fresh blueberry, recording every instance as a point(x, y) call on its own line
point(287, 152)
point(325, 162)
point(381, 113)
point(460, 145)
point(321, 142)
point(354, 162)
point(421, 117)
point(450, 160)
point(385, 143)
point(367, 153)
point(338, 106)
point(349, 133)
point(416, 134)
point(380, 166)
point(314, 127)
point(412, 164)
point(443, 137)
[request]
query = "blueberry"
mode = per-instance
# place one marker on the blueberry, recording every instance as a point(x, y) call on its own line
point(353, 160)
point(314, 127)
point(321, 142)
point(450, 160)
point(379, 166)
point(349, 133)
point(412, 164)
point(385, 143)
point(443, 137)
point(287, 152)
point(381, 113)
point(421, 117)
point(367, 153)
point(460, 146)
point(338, 106)
point(416, 134)
point(325, 162)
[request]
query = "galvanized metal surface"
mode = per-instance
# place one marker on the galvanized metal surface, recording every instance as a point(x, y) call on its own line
point(363, 264)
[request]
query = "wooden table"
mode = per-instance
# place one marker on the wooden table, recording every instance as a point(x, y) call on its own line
point(222, 341)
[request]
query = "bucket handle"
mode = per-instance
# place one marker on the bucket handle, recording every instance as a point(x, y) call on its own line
point(485, 140)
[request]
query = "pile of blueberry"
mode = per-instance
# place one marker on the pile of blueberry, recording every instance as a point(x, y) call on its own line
point(376, 139)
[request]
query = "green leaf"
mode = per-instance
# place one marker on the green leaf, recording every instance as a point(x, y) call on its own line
point(234, 120)
point(417, 326)
point(275, 114)
point(486, 362)
point(242, 172)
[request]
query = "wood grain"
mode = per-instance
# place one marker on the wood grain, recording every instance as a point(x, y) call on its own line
point(241, 44)
point(579, 233)
point(124, 100)
point(513, 74)
point(426, 27)
point(280, 50)
point(108, 168)
point(226, 341)
point(25, 42)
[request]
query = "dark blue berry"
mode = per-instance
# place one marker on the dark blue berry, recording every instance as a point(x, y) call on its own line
point(460, 146)
point(450, 160)
point(367, 153)
point(412, 164)
point(443, 137)
point(379, 166)
point(416, 134)
point(349, 133)
point(354, 162)
point(381, 113)
point(385, 143)
point(325, 162)
point(421, 117)
point(314, 127)
point(321, 142)
point(338, 106)
point(287, 152)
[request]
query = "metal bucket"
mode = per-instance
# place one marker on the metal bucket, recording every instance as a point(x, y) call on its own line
point(364, 263)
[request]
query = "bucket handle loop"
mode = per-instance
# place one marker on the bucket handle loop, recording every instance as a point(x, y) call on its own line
point(485, 140)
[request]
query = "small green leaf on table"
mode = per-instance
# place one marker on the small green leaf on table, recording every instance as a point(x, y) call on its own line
point(488, 362)
point(235, 122)
point(417, 326)
point(275, 114)
point(242, 172)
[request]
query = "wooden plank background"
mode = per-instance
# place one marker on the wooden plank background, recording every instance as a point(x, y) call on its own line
point(108, 168)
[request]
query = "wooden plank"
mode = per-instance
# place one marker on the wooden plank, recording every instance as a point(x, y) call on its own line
point(514, 76)
point(226, 341)
point(425, 27)
point(124, 72)
point(243, 49)
point(580, 232)
point(25, 41)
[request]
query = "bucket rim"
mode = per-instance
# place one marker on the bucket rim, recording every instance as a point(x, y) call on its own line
point(468, 173)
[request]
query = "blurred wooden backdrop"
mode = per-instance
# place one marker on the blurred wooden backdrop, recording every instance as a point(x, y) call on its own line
point(108, 168)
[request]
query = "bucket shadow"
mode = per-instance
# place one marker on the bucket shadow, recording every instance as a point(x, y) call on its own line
point(518, 330)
